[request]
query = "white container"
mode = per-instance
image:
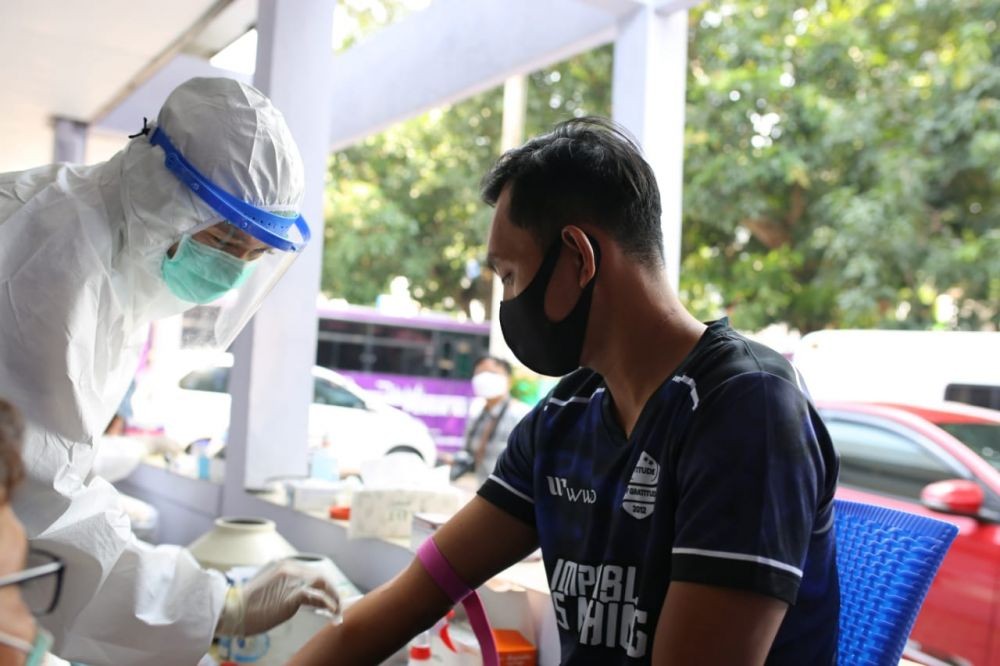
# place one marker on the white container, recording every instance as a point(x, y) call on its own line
point(240, 542)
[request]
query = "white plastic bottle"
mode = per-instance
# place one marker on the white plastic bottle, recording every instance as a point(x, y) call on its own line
point(420, 650)
point(323, 465)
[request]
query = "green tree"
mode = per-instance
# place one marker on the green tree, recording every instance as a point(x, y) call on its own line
point(841, 168)
point(406, 201)
point(841, 164)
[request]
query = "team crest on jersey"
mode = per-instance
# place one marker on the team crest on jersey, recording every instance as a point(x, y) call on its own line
point(640, 495)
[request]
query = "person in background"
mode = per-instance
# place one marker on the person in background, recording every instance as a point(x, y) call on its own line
point(487, 432)
point(22, 641)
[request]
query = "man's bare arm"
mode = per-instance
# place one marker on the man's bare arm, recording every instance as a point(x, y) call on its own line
point(715, 626)
point(479, 542)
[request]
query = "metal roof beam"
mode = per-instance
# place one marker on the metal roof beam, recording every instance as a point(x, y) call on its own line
point(451, 50)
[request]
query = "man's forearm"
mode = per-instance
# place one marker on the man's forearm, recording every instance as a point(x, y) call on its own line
point(379, 624)
point(479, 541)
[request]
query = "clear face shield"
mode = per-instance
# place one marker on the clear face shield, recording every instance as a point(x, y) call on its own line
point(229, 264)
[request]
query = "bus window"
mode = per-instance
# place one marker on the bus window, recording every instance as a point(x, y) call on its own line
point(458, 352)
point(344, 329)
point(400, 350)
point(396, 360)
point(342, 344)
point(335, 354)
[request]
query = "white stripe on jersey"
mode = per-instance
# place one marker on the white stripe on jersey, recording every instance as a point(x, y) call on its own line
point(826, 528)
point(739, 556)
point(684, 379)
point(494, 477)
point(575, 399)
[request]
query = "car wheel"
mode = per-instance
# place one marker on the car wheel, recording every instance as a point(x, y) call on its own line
point(404, 449)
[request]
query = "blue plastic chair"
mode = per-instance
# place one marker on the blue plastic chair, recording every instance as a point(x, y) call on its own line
point(886, 560)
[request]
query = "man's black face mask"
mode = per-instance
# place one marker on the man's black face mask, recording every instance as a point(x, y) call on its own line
point(547, 347)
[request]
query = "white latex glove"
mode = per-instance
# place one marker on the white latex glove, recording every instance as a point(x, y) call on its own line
point(163, 445)
point(273, 596)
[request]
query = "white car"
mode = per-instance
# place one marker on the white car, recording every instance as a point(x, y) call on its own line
point(355, 425)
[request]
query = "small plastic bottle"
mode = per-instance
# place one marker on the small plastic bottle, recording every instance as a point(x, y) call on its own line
point(420, 650)
point(200, 451)
point(323, 465)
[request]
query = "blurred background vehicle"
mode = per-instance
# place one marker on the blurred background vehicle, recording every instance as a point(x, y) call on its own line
point(417, 361)
point(192, 403)
point(940, 460)
point(909, 367)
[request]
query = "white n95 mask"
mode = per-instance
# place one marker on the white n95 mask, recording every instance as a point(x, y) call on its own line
point(490, 385)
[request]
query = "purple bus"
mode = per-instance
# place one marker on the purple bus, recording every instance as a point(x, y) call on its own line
point(419, 363)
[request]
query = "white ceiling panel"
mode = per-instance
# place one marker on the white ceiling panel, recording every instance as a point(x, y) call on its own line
point(69, 58)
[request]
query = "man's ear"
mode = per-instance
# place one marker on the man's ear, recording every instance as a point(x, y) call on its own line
point(576, 240)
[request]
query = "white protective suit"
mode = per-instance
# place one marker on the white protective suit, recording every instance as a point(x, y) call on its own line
point(80, 255)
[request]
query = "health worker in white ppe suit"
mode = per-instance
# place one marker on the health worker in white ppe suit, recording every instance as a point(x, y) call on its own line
point(201, 206)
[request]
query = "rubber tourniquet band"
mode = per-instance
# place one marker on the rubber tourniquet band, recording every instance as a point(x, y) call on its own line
point(456, 590)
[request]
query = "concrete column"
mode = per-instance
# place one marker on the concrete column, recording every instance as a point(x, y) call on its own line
point(648, 98)
point(69, 140)
point(272, 384)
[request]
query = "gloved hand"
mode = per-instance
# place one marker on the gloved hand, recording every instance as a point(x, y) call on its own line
point(163, 445)
point(273, 596)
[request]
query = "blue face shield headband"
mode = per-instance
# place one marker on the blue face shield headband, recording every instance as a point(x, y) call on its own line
point(264, 226)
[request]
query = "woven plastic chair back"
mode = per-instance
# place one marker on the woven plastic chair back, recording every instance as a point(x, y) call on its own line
point(886, 560)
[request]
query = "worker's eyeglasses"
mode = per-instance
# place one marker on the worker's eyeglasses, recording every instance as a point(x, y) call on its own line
point(39, 582)
point(231, 240)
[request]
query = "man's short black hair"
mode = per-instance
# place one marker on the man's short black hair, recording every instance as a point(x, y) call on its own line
point(502, 362)
point(584, 170)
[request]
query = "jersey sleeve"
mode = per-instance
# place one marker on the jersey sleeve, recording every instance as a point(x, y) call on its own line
point(750, 479)
point(510, 486)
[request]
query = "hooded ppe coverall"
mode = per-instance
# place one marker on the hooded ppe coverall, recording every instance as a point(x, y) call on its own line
point(81, 249)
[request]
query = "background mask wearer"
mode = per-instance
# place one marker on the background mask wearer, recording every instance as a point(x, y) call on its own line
point(490, 385)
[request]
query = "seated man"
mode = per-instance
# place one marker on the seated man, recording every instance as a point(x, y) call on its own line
point(680, 483)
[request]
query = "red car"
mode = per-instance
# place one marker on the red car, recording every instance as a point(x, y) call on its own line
point(943, 462)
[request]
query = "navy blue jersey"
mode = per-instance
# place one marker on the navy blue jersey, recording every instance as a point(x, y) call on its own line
point(727, 479)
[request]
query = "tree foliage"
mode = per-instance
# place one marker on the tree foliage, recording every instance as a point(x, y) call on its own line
point(841, 165)
point(406, 201)
point(841, 168)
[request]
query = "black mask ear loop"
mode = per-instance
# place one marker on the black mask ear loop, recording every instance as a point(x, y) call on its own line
point(548, 267)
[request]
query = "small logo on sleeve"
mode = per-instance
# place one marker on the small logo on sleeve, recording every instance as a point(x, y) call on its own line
point(640, 495)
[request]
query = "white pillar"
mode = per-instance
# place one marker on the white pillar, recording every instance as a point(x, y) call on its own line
point(272, 384)
point(69, 140)
point(648, 97)
point(515, 109)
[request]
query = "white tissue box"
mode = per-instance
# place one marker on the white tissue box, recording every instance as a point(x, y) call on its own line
point(388, 513)
point(312, 494)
